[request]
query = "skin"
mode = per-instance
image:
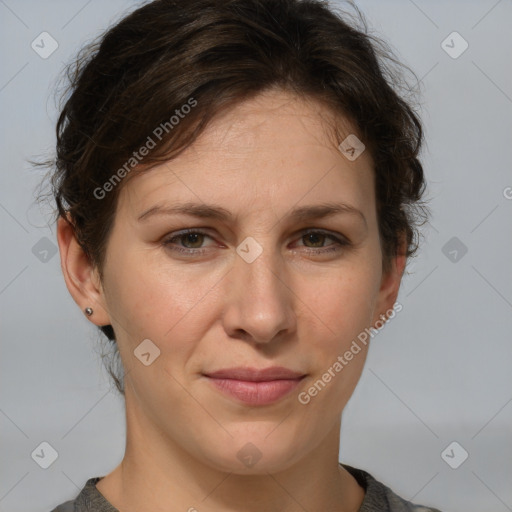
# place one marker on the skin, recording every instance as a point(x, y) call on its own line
point(293, 306)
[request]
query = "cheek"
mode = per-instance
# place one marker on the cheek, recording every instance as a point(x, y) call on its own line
point(336, 316)
point(160, 306)
point(148, 300)
point(340, 304)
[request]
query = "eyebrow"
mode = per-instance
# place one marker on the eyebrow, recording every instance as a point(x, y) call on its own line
point(206, 211)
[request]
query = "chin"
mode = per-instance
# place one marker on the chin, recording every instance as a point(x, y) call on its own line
point(256, 454)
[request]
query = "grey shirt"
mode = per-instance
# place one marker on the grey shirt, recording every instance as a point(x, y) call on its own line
point(377, 497)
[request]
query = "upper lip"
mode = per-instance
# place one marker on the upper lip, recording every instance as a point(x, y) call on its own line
point(256, 375)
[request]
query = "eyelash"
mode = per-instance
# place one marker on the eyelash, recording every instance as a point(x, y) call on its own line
point(339, 242)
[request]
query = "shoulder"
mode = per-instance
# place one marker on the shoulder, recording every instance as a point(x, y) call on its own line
point(88, 500)
point(68, 506)
point(380, 498)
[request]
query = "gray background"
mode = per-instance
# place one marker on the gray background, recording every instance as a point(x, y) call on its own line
point(440, 371)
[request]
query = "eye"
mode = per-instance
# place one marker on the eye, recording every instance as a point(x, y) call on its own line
point(192, 240)
point(317, 239)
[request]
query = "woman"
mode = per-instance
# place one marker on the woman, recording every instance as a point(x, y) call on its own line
point(237, 185)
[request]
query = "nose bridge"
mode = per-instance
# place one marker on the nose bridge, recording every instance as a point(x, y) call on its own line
point(259, 266)
point(259, 303)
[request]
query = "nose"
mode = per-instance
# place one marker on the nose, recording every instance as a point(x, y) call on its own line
point(259, 303)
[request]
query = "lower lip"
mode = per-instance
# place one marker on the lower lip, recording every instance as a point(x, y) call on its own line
point(256, 393)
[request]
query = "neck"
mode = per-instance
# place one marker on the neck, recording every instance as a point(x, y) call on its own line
point(157, 473)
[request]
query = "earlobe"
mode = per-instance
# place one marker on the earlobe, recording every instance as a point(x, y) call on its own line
point(81, 278)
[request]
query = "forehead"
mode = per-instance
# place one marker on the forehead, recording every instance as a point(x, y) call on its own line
point(279, 116)
point(276, 147)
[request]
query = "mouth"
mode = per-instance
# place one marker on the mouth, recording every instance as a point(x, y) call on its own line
point(255, 386)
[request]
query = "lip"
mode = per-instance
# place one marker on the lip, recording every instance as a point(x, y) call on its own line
point(255, 374)
point(256, 386)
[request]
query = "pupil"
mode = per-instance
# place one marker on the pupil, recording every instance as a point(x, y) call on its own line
point(194, 236)
point(313, 236)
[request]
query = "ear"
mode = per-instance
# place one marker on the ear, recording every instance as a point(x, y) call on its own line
point(390, 283)
point(82, 279)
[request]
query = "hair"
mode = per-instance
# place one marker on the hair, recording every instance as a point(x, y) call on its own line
point(134, 82)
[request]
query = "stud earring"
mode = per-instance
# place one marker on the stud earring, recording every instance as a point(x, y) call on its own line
point(88, 311)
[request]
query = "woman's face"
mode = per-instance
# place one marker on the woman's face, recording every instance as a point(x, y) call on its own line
point(251, 290)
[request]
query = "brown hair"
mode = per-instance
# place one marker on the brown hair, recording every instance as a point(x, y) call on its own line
point(211, 55)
